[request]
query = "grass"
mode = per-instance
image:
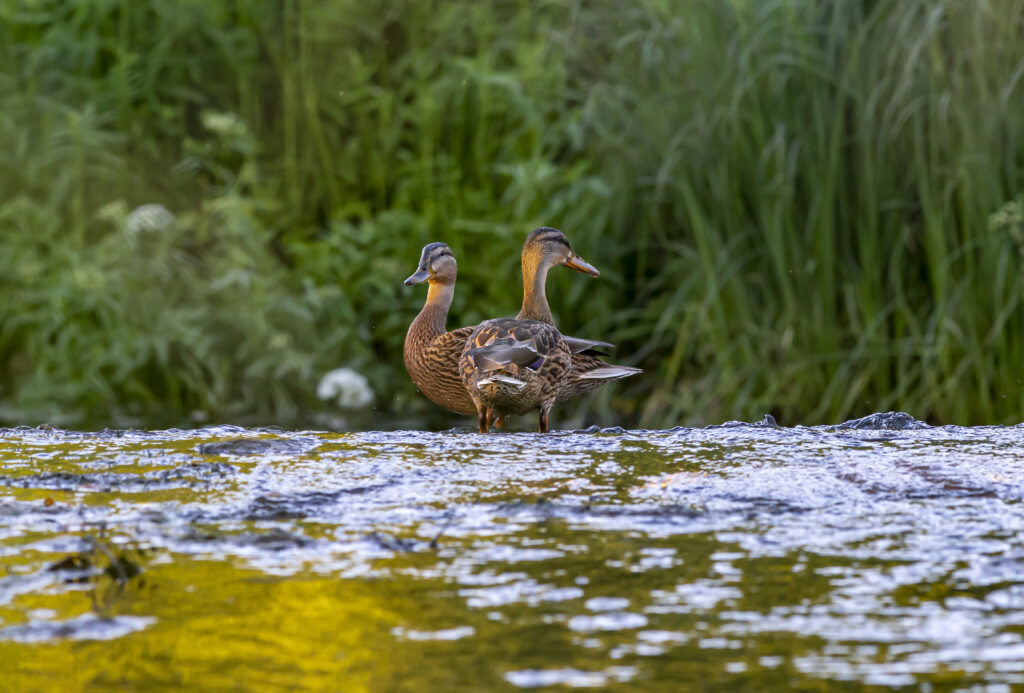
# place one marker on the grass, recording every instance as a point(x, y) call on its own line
point(797, 207)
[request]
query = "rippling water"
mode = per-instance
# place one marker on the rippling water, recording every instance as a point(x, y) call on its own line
point(743, 556)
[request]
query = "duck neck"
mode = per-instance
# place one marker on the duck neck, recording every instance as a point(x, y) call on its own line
point(535, 300)
point(431, 321)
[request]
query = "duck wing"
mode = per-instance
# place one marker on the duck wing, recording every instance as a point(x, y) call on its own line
point(578, 345)
point(497, 354)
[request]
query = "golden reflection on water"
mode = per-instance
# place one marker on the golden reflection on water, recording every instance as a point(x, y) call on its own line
point(220, 628)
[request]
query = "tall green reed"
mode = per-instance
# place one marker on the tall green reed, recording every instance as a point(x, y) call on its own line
point(820, 176)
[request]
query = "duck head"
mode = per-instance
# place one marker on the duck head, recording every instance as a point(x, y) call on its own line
point(547, 247)
point(437, 266)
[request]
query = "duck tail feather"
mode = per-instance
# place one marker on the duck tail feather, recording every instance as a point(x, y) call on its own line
point(610, 373)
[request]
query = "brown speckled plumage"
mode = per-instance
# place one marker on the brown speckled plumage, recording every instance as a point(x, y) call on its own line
point(433, 366)
point(432, 354)
point(527, 381)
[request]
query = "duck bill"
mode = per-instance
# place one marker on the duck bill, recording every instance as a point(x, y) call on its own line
point(418, 277)
point(580, 265)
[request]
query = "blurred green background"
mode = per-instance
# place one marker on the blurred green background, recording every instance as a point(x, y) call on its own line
point(808, 208)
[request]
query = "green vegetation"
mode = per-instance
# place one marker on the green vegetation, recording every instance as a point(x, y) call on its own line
point(807, 208)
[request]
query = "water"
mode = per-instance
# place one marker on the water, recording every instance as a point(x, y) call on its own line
point(881, 552)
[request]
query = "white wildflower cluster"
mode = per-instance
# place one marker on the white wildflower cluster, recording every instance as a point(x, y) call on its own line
point(151, 217)
point(346, 388)
point(224, 124)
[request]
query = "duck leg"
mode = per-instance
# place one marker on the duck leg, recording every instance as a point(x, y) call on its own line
point(499, 421)
point(490, 418)
point(482, 418)
point(542, 424)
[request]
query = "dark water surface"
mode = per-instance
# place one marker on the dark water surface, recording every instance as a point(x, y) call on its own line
point(744, 557)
